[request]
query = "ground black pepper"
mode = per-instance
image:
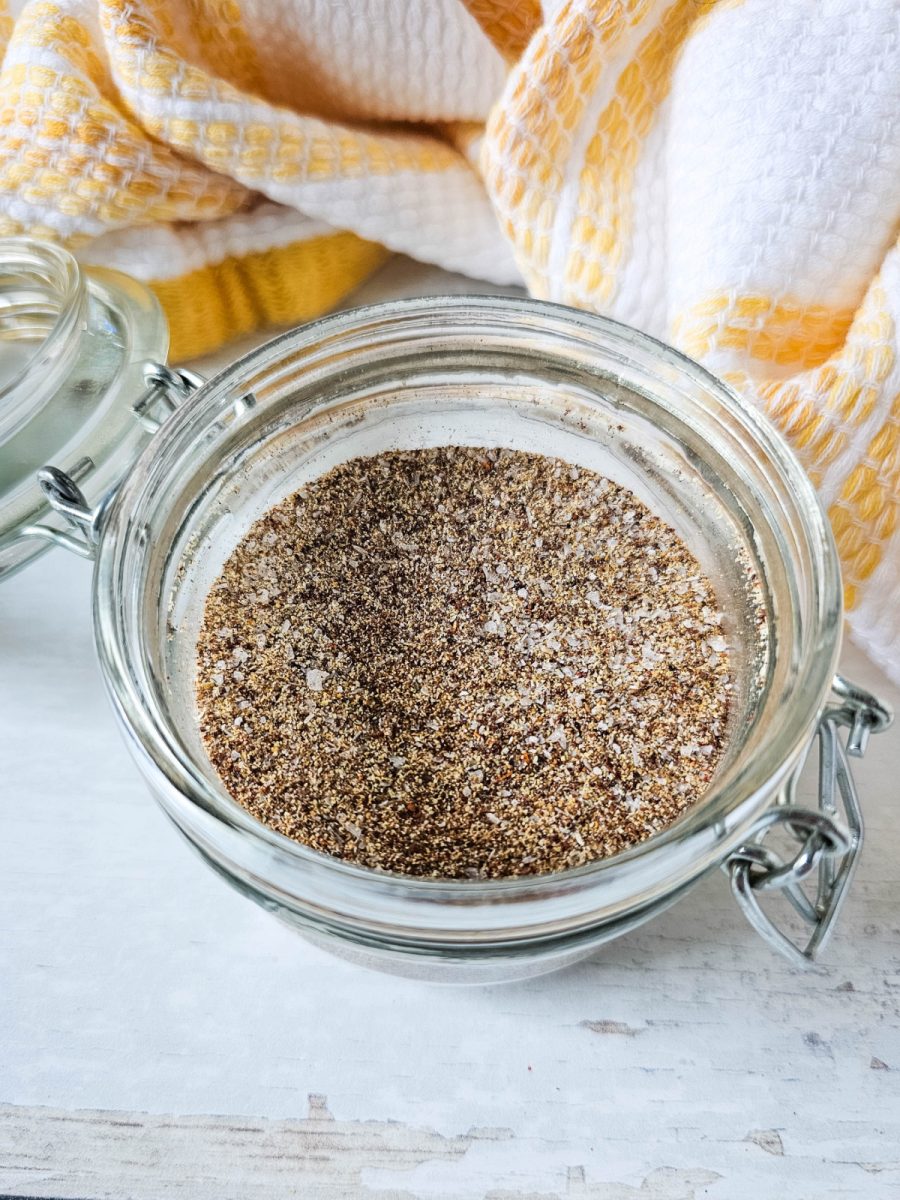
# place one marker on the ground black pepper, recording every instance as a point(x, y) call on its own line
point(465, 663)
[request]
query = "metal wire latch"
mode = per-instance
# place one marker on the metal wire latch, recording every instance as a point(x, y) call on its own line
point(165, 388)
point(830, 837)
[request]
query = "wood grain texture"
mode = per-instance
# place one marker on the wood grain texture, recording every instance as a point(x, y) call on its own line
point(161, 1036)
point(224, 1158)
point(209, 1156)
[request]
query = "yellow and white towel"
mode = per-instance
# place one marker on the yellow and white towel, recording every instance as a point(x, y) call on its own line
point(722, 173)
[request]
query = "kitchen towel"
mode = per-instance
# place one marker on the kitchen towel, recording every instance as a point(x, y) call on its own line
point(724, 174)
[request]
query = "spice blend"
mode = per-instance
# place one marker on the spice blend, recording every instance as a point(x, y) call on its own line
point(464, 663)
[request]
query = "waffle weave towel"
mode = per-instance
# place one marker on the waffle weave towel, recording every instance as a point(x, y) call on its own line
point(725, 175)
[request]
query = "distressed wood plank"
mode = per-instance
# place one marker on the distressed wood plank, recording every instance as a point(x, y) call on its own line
point(45, 1151)
point(53, 1154)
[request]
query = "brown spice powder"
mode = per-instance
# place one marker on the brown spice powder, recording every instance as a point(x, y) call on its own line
point(463, 663)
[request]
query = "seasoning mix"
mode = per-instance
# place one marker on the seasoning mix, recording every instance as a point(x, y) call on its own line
point(463, 663)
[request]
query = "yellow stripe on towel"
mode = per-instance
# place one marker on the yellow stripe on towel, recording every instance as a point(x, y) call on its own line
point(284, 286)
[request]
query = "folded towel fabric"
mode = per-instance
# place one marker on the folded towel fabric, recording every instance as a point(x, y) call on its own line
point(724, 174)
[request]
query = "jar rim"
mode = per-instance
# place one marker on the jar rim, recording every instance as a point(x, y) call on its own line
point(54, 286)
point(148, 733)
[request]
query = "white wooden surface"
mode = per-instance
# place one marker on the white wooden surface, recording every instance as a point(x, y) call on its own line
point(160, 1036)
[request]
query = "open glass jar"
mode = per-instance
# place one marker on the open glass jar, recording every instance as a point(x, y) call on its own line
point(480, 371)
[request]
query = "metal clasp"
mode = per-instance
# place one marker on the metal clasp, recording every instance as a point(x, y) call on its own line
point(165, 389)
point(830, 837)
point(861, 711)
point(66, 498)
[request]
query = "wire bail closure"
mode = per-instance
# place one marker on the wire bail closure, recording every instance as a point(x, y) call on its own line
point(830, 837)
point(165, 389)
point(66, 498)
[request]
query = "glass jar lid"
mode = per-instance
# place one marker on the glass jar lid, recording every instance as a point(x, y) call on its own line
point(80, 358)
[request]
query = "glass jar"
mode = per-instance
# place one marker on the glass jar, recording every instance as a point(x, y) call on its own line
point(486, 371)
